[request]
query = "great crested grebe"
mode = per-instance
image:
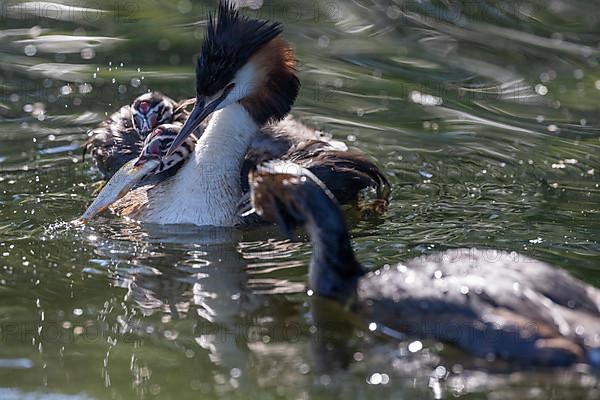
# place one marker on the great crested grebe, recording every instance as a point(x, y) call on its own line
point(120, 138)
point(245, 81)
point(490, 303)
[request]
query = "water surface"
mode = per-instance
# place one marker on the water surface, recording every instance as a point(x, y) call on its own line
point(484, 116)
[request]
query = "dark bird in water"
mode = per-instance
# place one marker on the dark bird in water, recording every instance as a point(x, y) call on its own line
point(245, 86)
point(120, 138)
point(489, 303)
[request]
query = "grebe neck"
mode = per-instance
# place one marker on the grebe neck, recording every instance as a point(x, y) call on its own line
point(226, 139)
point(334, 269)
point(207, 189)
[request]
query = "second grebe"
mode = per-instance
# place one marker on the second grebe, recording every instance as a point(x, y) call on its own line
point(245, 80)
point(490, 303)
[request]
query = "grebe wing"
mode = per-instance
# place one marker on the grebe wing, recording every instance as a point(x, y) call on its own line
point(276, 140)
point(488, 303)
point(508, 277)
point(114, 142)
point(345, 172)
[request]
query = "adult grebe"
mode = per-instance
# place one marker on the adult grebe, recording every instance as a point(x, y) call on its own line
point(153, 166)
point(120, 138)
point(489, 303)
point(245, 78)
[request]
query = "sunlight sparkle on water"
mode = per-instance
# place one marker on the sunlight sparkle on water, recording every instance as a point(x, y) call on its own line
point(378, 379)
point(415, 346)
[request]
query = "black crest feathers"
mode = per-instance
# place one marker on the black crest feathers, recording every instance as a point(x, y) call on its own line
point(230, 41)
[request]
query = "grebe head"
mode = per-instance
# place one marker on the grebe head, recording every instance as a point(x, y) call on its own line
point(150, 110)
point(243, 60)
point(158, 142)
point(285, 193)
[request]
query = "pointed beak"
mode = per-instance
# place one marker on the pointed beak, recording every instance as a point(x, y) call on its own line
point(200, 112)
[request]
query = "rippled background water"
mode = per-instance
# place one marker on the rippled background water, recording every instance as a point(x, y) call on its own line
point(483, 114)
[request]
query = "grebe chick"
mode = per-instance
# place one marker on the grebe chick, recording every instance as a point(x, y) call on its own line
point(120, 138)
point(152, 109)
point(158, 142)
point(489, 303)
point(245, 80)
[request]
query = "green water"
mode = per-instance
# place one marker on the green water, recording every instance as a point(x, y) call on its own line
point(484, 116)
